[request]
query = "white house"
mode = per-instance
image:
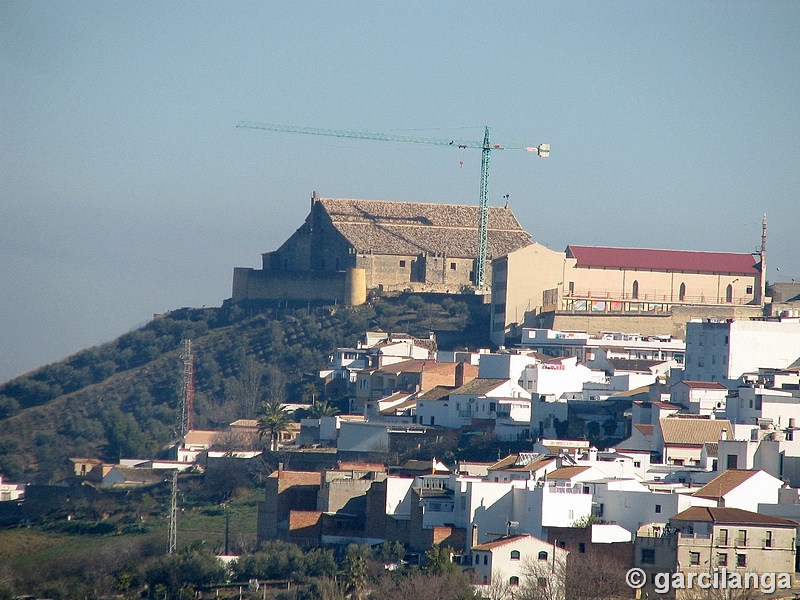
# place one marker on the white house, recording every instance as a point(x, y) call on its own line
point(724, 351)
point(700, 397)
point(509, 557)
point(462, 404)
point(631, 504)
point(739, 488)
point(11, 491)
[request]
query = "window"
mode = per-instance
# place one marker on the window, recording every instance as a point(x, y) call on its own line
point(513, 580)
point(741, 560)
point(749, 289)
point(452, 266)
point(682, 292)
point(648, 556)
point(402, 263)
point(658, 508)
point(637, 464)
point(694, 558)
point(741, 539)
point(582, 547)
point(722, 559)
point(486, 559)
point(722, 539)
point(515, 555)
point(477, 559)
point(729, 293)
point(542, 555)
point(542, 581)
point(571, 288)
point(768, 540)
point(635, 289)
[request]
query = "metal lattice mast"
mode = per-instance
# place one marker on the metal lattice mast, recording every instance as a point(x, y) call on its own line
point(542, 150)
point(483, 215)
point(187, 392)
point(172, 542)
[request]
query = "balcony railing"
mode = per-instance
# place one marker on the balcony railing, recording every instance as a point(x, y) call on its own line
point(647, 302)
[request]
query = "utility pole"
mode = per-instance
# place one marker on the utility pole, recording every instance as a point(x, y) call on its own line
point(172, 542)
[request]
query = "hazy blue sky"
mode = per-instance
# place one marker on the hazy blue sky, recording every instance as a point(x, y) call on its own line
point(126, 189)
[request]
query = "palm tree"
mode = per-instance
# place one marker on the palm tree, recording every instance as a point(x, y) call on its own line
point(273, 419)
point(321, 408)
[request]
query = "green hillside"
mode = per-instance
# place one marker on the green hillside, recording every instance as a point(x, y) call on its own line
point(120, 399)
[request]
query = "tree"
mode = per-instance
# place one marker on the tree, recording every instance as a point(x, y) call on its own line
point(439, 561)
point(543, 579)
point(355, 572)
point(273, 419)
point(321, 408)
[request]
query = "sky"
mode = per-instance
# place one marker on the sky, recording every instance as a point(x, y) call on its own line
point(127, 190)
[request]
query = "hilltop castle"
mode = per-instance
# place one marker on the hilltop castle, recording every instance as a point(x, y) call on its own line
point(346, 247)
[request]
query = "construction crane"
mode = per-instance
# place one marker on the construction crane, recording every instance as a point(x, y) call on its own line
point(486, 148)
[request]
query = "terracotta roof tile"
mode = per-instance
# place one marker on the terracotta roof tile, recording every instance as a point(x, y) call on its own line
point(724, 483)
point(500, 542)
point(730, 516)
point(693, 432)
point(384, 227)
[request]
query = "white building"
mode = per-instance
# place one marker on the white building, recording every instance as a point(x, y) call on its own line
point(477, 399)
point(724, 351)
point(631, 504)
point(738, 488)
point(588, 349)
point(700, 397)
point(506, 558)
point(11, 491)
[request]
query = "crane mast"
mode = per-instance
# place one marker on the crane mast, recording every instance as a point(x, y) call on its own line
point(542, 150)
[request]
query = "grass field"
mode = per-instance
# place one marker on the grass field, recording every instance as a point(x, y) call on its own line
point(39, 552)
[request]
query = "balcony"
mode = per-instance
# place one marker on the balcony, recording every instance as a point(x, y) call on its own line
point(654, 301)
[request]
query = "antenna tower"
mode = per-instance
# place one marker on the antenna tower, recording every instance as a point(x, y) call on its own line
point(172, 542)
point(187, 393)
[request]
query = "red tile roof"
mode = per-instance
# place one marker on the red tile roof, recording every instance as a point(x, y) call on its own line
point(703, 385)
point(730, 516)
point(663, 260)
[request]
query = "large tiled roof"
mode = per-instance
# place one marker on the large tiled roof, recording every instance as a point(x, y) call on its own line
point(693, 432)
point(639, 365)
point(724, 483)
point(663, 260)
point(567, 472)
point(730, 516)
point(385, 227)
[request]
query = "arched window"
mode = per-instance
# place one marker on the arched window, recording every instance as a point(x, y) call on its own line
point(514, 580)
point(542, 555)
point(682, 292)
point(729, 293)
point(486, 559)
point(635, 290)
point(515, 555)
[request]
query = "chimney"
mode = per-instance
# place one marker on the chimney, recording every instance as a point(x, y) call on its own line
point(459, 374)
point(474, 535)
point(723, 435)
